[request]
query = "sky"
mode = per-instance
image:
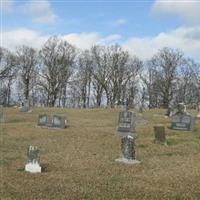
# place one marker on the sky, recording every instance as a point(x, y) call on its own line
point(141, 27)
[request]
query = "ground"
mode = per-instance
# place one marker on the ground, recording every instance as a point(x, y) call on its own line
point(79, 162)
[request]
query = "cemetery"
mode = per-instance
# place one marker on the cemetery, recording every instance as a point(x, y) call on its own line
point(100, 100)
point(102, 153)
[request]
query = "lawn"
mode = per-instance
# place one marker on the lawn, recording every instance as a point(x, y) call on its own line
point(79, 161)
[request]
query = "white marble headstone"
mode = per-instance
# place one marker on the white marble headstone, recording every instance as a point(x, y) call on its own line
point(33, 160)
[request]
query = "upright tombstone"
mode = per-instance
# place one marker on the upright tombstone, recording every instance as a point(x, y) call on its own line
point(198, 115)
point(1, 114)
point(58, 122)
point(181, 120)
point(33, 160)
point(25, 106)
point(126, 123)
point(126, 130)
point(42, 120)
point(159, 131)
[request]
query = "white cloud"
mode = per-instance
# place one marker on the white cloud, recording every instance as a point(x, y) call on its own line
point(186, 39)
point(11, 39)
point(120, 22)
point(82, 40)
point(110, 39)
point(188, 11)
point(40, 11)
point(6, 6)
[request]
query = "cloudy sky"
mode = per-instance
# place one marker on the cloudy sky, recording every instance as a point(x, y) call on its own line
point(142, 27)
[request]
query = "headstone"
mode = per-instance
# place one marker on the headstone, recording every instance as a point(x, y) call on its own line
point(42, 120)
point(159, 131)
point(181, 120)
point(126, 123)
point(58, 122)
point(198, 115)
point(25, 106)
point(1, 114)
point(126, 130)
point(33, 160)
point(55, 121)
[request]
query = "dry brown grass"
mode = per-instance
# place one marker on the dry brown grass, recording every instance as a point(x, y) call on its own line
point(79, 160)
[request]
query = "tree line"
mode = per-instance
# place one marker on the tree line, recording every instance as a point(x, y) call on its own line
point(59, 74)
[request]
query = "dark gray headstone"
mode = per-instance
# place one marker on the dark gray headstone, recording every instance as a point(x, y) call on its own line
point(33, 154)
point(126, 123)
point(182, 122)
point(159, 131)
point(42, 120)
point(127, 148)
point(58, 121)
point(1, 114)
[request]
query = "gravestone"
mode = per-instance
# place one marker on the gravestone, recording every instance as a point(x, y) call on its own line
point(159, 131)
point(25, 106)
point(1, 114)
point(58, 122)
point(33, 160)
point(126, 123)
point(55, 121)
point(198, 115)
point(126, 130)
point(42, 120)
point(181, 120)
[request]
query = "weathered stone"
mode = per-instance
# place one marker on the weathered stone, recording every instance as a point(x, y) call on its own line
point(25, 106)
point(159, 131)
point(126, 123)
point(55, 121)
point(127, 147)
point(1, 114)
point(127, 151)
point(198, 115)
point(33, 160)
point(181, 120)
point(58, 121)
point(42, 120)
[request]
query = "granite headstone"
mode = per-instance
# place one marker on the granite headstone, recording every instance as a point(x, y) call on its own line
point(181, 120)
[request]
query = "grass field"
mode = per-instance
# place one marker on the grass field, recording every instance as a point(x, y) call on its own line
point(79, 161)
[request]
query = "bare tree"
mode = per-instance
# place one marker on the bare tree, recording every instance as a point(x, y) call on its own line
point(164, 66)
point(7, 74)
point(84, 76)
point(27, 59)
point(57, 59)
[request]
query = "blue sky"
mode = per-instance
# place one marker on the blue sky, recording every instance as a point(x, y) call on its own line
point(142, 27)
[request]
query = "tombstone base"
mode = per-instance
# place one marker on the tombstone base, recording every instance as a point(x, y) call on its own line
point(33, 168)
point(127, 161)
